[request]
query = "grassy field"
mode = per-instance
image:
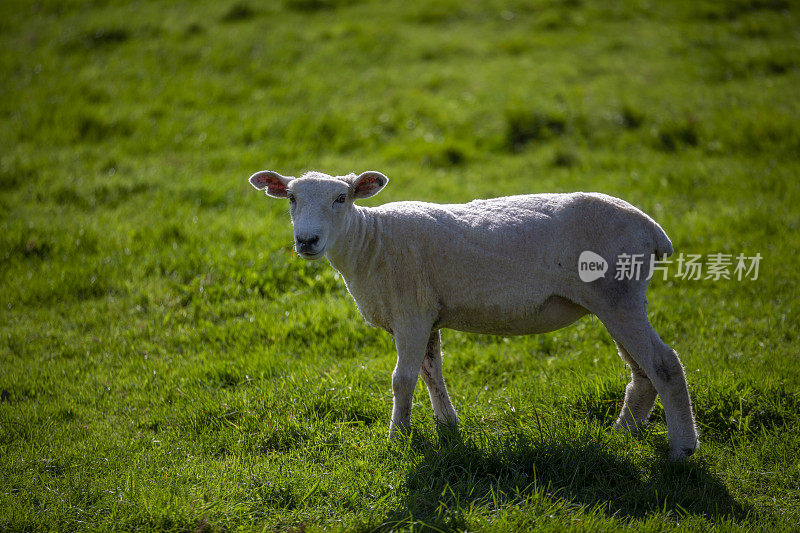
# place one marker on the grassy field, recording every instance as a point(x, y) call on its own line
point(168, 363)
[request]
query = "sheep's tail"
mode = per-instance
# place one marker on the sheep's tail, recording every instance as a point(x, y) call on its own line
point(663, 244)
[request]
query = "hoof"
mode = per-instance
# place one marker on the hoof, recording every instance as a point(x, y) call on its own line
point(448, 430)
point(682, 453)
point(446, 423)
point(625, 426)
point(398, 433)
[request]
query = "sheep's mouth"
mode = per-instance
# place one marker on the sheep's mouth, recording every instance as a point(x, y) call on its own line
point(311, 256)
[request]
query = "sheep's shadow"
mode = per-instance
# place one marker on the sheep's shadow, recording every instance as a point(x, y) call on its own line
point(453, 473)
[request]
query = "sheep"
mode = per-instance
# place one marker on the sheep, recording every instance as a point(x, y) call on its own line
point(503, 266)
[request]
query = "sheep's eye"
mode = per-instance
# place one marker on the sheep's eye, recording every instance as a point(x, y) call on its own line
point(341, 198)
point(291, 198)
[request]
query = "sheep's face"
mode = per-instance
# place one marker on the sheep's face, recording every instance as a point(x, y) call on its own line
point(319, 204)
point(318, 208)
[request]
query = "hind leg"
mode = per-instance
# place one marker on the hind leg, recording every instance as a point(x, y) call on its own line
point(662, 367)
point(640, 396)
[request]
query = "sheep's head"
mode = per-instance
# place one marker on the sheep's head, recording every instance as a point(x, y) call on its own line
point(319, 204)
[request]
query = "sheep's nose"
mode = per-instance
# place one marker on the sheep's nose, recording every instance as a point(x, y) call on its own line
point(307, 241)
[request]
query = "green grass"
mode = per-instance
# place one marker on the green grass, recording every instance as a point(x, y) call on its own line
point(167, 363)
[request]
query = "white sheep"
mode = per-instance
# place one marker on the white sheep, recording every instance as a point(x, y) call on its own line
point(504, 266)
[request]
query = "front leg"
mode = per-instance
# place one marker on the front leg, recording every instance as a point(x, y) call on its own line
point(443, 409)
point(411, 340)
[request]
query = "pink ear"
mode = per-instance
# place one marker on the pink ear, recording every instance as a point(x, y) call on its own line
point(275, 184)
point(369, 184)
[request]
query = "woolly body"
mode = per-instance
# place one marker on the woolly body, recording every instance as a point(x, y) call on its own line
point(502, 266)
